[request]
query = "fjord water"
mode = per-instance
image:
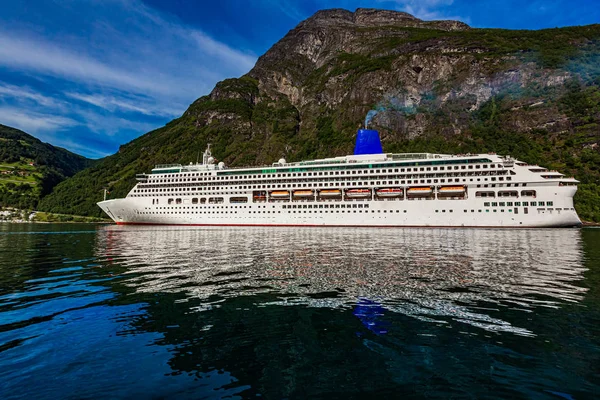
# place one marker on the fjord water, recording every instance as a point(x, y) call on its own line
point(156, 312)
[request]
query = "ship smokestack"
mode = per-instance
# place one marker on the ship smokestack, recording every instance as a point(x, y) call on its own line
point(367, 142)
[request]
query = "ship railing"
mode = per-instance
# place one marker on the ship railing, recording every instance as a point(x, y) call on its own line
point(167, 166)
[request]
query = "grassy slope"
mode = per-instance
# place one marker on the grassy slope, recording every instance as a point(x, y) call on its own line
point(35, 168)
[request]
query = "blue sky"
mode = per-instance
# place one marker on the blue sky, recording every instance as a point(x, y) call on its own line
point(90, 75)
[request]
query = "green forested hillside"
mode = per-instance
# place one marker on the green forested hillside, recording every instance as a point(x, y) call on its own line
point(435, 86)
point(29, 169)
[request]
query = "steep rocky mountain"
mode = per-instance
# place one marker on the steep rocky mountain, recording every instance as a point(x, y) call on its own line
point(29, 168)
point(436, 86)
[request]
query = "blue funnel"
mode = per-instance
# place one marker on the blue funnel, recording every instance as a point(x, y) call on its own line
point(367, 142)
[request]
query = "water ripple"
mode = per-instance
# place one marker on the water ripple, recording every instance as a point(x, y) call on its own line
point(161, 312)
point(427, 274)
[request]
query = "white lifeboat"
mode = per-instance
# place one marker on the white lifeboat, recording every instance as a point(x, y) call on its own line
point(389, 192)
point(328, 193)
point(303, 193)
point(280, 194)
point(419, 191)
point(452, 190)
point(358, 193)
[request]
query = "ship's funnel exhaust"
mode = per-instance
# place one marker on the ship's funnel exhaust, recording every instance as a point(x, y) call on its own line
point(367, 142)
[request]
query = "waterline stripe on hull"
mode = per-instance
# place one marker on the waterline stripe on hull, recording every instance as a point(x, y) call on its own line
point(358, 226)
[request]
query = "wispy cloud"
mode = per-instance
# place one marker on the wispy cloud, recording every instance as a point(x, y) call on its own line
point(34, 122)
point(125, 103)
point(290, 9)
point(159, 57)
point(8, 91)
point(427, 9)
point(126, 67)
point(113, 125)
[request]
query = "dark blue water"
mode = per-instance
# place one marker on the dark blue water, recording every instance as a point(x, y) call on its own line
point(90, 312)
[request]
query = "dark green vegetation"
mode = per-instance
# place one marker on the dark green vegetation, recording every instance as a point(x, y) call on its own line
point(29, 169)
point(441, 88)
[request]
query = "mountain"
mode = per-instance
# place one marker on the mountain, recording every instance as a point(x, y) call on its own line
point(437, 86)
point(29, 169)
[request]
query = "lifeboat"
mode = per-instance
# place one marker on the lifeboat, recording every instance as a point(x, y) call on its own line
point(303, 193)
point(389, 192)
point(358, 193)
point(280, 194)
point(452, 190)
point(328, 193)
point(419, 191)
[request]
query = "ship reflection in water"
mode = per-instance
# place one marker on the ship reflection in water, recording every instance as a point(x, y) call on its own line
point(446, 276)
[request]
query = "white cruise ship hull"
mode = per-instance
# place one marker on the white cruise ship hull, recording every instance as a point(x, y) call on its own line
point(384, 213)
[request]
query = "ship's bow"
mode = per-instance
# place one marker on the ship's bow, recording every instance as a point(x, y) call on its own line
point(117, 209)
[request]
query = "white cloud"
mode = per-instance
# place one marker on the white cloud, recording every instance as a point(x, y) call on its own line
point(8, 91)
point(125, 64)
point(126, 104)
point(111, 125)
point(287, 8)
point(34, 122)
point(427, 10)
point(41, 56)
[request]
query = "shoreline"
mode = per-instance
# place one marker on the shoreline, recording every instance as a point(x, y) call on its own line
point(18, 216)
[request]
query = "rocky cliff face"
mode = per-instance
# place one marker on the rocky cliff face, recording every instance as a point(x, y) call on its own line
point(434, 86)
point(422, 78)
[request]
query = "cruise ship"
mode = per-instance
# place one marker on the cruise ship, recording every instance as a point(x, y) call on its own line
point(368, 188)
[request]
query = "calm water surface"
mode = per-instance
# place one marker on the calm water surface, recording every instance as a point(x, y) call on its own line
point(108, 312)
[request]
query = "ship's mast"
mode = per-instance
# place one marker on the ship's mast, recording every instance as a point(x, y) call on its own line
point(206, 155)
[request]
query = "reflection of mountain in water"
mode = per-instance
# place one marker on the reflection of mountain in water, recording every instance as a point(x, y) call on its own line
point(433, 275)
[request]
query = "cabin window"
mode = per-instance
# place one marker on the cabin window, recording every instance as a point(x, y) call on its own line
point(528, 193)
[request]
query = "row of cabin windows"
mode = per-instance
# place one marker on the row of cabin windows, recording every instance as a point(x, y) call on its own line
point(175, 188)
point(294, 206)
point(519, 204)
point(319, 175)
point(338, 211)
point(137, 192)
point(506, 193)
point(377, 171)
point(366, 205)
point(516, 211)
point(253, 179)
point(268, 211)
